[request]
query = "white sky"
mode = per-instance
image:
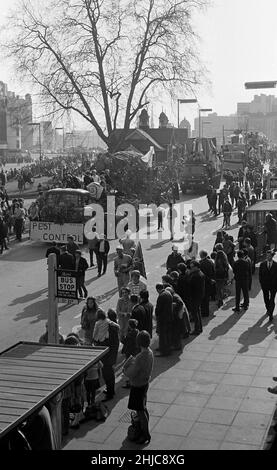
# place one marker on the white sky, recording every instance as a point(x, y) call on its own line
point(239, 44)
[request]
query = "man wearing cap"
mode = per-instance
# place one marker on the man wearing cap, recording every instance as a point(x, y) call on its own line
point(268, 281)
point(174, 259)
point(81, 266)
point(102, 248)
point(122, 267)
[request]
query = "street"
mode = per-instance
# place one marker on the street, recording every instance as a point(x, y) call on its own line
point(23, 272)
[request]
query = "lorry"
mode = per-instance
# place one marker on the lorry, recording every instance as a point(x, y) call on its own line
point(202, 166)
point(235, 153)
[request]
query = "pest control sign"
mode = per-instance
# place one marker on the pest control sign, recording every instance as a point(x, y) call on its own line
point(67, 286)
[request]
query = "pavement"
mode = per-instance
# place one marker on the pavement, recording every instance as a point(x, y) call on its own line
point(212, 396)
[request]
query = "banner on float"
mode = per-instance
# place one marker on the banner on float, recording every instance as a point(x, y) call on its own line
point(49, 232)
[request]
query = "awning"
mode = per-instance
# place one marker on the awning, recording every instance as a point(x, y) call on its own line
point(32, 373)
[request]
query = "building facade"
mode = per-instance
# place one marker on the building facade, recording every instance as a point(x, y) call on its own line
point(16, 134)
point(260, 115)
point(216, 126)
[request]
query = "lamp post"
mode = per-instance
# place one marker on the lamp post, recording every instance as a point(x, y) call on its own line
point(61, 129)
point(39, 126)
point(202, 110)
point(183, 101)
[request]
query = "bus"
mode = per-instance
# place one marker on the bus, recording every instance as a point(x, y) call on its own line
point(64, 212)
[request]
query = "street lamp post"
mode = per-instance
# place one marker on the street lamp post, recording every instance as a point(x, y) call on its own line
point(40, 147)
point(183, 101)
point(203, 110)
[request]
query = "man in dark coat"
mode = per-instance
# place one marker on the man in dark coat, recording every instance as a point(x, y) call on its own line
point(164, 316)
point(207, 268)
point(81, 266)
point(55, 250)
point(197, 294)
point(268, 281)
point(66, 260)
point(102, 248)
point(270, 228)
point(242, 274)
point(173, 260)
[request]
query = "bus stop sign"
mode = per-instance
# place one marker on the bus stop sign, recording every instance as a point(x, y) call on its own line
point(67, 286)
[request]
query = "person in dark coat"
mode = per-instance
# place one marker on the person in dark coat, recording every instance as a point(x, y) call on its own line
point(66, 260)
point(81, 266)
point(242, 273)
point(197, 294)
point(208, 269)
point(55, 250)
point(268, 281)
point(270, 228)
point(177, 325)
point(3, 235)
point(173, 260)
point(72, 247)
point(164, 317)
point(102, 249)
point(148, 308)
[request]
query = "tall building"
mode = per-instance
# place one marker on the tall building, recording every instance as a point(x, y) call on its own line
point(216, 126)
point(15, 116)
point(260, 104)
point(260, 115)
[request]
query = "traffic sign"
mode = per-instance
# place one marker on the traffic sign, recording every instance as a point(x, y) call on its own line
point(67, 285)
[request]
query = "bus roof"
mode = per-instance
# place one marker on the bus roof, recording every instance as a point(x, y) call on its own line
point(68, 190)
point(264, 206)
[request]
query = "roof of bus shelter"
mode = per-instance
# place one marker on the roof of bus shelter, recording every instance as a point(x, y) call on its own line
point(264, 206)
point(32, 373)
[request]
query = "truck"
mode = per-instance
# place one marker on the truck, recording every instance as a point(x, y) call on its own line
point(202, 166)
point(235, 153)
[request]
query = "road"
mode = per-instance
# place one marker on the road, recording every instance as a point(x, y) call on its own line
point(23, 274)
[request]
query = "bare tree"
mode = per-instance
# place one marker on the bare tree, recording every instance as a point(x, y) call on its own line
point(103, 58)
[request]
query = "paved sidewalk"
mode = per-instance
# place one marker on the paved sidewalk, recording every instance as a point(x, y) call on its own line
point(211, 396)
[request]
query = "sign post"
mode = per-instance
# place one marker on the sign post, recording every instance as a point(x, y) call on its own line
point(67, 286)
point(53, 325)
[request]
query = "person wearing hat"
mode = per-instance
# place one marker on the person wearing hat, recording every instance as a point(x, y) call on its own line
point(102, 249)
point(268, 281)
point(81, 266)
point(173, 260)
point(122, 267)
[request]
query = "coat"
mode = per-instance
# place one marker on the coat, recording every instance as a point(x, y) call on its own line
point(82, 266)
point(268, 278)
point(164, 308)
point(67, 261)
point(242, 270)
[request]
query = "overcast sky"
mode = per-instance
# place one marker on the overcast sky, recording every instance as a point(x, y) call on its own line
point(239, 44)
